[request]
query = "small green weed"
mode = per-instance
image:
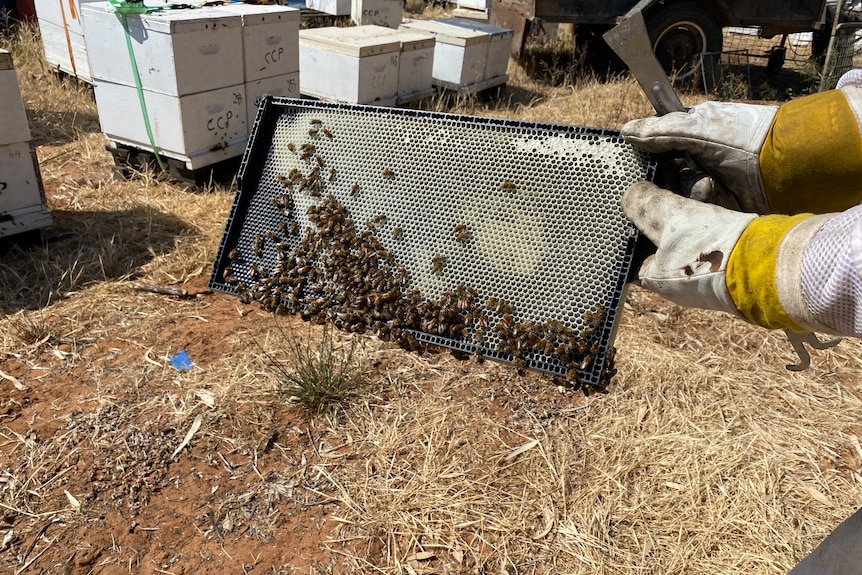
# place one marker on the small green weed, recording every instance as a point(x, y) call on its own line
point(316, 376)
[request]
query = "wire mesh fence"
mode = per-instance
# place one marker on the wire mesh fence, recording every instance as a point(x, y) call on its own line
point(750, 66)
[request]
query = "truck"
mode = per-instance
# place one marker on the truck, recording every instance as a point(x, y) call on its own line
point(679, 30)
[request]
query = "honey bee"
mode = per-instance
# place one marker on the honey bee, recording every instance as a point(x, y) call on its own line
point(291, 146)
point(379, 218)
point(327, 133)
point(397, 233)
point(354, 189)
point(280, 177)
point(319, 159)
point(233, 254)
point(462, 233)
point(507, 185)
point(257, 246)
point(312, 132)
point(585, 363)
point(309, 148)
point(387, 173)
point(331, 174)
point(437, 263)
point(315, 122)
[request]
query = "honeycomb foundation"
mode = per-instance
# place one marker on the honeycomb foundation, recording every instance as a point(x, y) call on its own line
point(493, 238)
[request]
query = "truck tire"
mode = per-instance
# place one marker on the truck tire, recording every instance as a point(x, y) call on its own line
point(680, 32)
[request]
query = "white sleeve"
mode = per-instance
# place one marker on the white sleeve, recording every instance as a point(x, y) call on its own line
point(832, 273)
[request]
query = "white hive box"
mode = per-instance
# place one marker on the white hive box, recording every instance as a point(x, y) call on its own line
point(416, 66)
point(63, 36)
point(190, 64)
point(356, 65)
point(285, 86)
point(499, 47)
point(270, 39)
point(14, 127)
point(460, 54)
point(68, 55)
point(200, 129)
point(178, 52)
point(334, 7)
point(377, 12)
point(22, 198)
point(20, 182)
point(475, 4)
point(415, 63)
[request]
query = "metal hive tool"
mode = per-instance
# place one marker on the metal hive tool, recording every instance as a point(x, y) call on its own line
point(491, 237)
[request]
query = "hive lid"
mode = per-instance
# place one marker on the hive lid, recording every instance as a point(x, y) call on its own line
point(172, 21)
point(487, 236)
point(357, 41)
point(471, 24)
point(255, 14)
point(448, 34)
point(413, 39)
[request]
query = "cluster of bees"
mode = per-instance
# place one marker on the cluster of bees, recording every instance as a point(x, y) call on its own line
point(338, 272)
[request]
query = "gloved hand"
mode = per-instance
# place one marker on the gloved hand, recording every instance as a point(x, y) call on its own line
point(805, 156)
point(694, 242)
point(714, 258)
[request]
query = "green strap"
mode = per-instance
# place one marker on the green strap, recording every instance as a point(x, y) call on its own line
point(140, 90)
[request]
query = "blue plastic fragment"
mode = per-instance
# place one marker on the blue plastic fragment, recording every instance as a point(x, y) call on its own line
point(181, 361)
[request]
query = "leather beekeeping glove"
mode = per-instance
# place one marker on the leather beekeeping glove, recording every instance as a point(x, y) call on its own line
point(805, 156)
point(713, 258)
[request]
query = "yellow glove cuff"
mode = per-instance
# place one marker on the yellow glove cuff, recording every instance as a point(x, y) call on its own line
point(811, 160)
point(750, 275)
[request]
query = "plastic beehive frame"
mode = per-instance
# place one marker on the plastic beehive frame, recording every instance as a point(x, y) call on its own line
point(492, 237)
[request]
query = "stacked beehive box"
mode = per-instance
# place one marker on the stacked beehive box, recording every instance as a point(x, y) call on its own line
point(22, 198)
point(415, 65)
point(270, 45)
point(366, 64)
point(469, 56)
point(357, 65)
point(63, 36)
point(196, 76)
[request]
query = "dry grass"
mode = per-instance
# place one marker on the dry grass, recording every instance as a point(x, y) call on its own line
point(707, 456)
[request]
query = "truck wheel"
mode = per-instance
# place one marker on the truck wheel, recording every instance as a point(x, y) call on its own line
point(680, 32)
